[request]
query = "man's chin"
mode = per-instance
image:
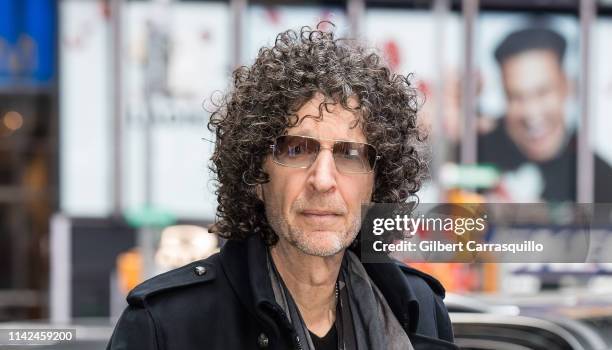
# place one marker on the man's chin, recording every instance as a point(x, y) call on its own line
point(541, 154)
point(321, 243)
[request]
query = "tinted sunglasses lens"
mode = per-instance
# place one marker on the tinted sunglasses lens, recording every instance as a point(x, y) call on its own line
point(295, 151)
point(354, 157)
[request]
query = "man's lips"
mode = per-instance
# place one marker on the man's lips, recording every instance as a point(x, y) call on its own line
point(320, 218)
point(320, 213)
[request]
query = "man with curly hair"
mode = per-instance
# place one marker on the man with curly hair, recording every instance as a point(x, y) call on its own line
point(313, 129)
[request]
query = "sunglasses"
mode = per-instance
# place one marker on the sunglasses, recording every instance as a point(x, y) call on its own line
point(301, 151)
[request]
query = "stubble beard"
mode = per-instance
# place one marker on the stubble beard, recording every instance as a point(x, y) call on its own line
point(337, 241)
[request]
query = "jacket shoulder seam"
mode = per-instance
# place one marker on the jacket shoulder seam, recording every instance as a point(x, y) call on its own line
point(181, 277)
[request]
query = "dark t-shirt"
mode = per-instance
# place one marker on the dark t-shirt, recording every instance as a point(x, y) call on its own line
point(559, 173)
point(328, 342)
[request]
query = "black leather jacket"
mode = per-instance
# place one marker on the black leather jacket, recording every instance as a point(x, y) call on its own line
point(227, 302)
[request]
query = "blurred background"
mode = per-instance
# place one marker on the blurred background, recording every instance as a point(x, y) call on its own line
point(104, 149)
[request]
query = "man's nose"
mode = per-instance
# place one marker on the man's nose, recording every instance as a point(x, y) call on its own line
point(323, 172)
point(533, 108)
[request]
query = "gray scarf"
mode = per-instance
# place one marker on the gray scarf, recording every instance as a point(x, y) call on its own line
point(364, 320)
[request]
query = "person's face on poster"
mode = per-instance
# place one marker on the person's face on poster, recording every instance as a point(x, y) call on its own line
point(536, 91)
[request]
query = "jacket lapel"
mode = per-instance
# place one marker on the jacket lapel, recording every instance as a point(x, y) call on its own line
point(245, 265)
point(389, 278)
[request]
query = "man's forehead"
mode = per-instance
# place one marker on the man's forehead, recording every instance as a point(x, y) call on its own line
point(337, 124)
point(535, 56)
point(321, 109)
point(326, 128)
point(532, 69)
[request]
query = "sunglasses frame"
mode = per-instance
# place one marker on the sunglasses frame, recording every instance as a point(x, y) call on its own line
point(273, 147)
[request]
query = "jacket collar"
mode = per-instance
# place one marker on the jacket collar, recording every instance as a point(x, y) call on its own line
point(245, 266)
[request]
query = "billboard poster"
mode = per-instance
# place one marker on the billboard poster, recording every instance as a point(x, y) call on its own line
point(528, 112)
point(176, 59)
point(85, 112)
point(175, 56)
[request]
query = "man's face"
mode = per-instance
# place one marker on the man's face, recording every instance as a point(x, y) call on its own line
point(536, 90)
point(317, 210)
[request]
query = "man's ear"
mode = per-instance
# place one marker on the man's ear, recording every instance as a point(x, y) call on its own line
point(259, 191)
